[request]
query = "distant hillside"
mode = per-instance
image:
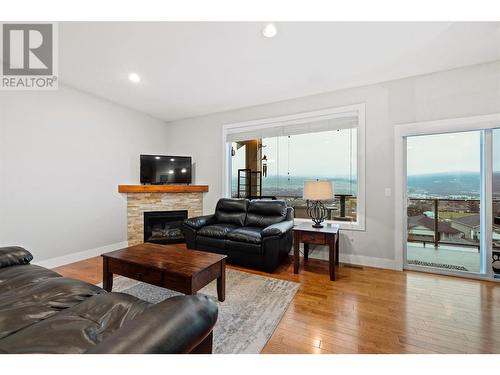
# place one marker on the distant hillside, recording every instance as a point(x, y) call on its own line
point(444, 185)
point(466, 184)
point(293, 185)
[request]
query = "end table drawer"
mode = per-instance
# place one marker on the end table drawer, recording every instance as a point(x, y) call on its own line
point(314, 238)
point(135, 272)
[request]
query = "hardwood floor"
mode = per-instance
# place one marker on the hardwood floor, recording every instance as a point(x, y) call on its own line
point(369, 310)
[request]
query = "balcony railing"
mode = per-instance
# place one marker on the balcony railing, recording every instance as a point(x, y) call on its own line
point(452, 222)
point(342, 208)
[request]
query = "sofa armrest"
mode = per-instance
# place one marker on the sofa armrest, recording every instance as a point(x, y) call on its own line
point(176, 325)
point(200, 221)
point(277, 229)
point(13, 256)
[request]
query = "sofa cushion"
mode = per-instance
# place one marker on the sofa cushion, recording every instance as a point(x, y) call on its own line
point(231, 211)
point(246, 234)
point(78, 328)
point(216, 230)
point(30, 304)
point(17, 277)
point(262, 213)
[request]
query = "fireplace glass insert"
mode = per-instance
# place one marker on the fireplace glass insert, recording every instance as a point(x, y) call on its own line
point(164, 227)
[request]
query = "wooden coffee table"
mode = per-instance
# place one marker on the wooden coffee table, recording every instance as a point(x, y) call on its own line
point(169, 266)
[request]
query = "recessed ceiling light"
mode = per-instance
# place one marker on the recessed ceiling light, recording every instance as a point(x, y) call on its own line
point(172, 159)
point(134, 77)
point(183, 170)
point(157, 157)
point(270, 30)
point(170, 172)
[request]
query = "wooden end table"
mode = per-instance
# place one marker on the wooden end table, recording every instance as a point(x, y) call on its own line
point(328, 235)
point(168, 266)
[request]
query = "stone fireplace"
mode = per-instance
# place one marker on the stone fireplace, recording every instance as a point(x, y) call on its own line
point(156, 200)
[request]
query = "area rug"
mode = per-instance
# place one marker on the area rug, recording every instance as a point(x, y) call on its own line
point(253, 307)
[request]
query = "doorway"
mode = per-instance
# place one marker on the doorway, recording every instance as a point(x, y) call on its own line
point(447, 196)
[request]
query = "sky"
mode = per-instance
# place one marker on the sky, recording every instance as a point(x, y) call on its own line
point(453, 152)
point(325, 154)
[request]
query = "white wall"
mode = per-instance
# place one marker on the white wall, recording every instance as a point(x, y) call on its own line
point(461, 92)
point(62, 155)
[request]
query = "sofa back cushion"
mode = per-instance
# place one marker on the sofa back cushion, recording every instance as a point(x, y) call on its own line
point(262, 213)
point(231, 211)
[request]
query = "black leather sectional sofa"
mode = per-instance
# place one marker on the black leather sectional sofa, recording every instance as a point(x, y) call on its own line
point(256, 233)
point(43, 312)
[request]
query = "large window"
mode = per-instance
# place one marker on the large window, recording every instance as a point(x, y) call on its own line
point(274, 161)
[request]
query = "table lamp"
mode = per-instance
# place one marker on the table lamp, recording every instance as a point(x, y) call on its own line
point(314, 193)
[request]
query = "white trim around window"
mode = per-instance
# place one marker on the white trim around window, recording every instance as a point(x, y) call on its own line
point(356, 110)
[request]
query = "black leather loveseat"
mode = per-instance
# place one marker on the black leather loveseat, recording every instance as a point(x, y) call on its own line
point(256, 233)
point(43, 312)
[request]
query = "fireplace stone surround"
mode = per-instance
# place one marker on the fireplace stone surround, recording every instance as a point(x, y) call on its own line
point(150, 198)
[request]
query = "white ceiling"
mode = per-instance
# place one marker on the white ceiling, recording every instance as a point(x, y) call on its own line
point(191, 69)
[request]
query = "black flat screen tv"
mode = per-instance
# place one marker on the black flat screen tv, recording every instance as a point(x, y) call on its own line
point(162, 169)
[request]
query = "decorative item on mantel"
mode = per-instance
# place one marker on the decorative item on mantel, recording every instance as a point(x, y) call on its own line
point(314, 193)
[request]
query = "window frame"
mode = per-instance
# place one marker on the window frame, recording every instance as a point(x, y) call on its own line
point(323, 114)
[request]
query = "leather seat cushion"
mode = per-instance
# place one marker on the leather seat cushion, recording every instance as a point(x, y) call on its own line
point(216, 230)
point(231, 211)
point(262, 213)
point(30, 304)
point(246, 234)
point(78, 328)
point(16, 277)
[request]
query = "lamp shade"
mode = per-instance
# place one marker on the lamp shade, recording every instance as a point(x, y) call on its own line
point(318, 190)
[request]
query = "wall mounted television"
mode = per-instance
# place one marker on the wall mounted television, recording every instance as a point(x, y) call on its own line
point(164, 169)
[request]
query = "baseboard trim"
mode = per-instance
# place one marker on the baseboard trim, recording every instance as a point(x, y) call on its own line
point(362, 260)
point(75, 257)
point(359, 260)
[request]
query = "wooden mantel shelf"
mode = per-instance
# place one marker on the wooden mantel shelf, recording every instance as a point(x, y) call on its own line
point(162, 188)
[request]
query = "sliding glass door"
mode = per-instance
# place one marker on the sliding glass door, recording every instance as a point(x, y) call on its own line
point(444, 180)
point(447, 206)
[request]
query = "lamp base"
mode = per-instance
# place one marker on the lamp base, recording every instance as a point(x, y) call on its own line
point(317, 212)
